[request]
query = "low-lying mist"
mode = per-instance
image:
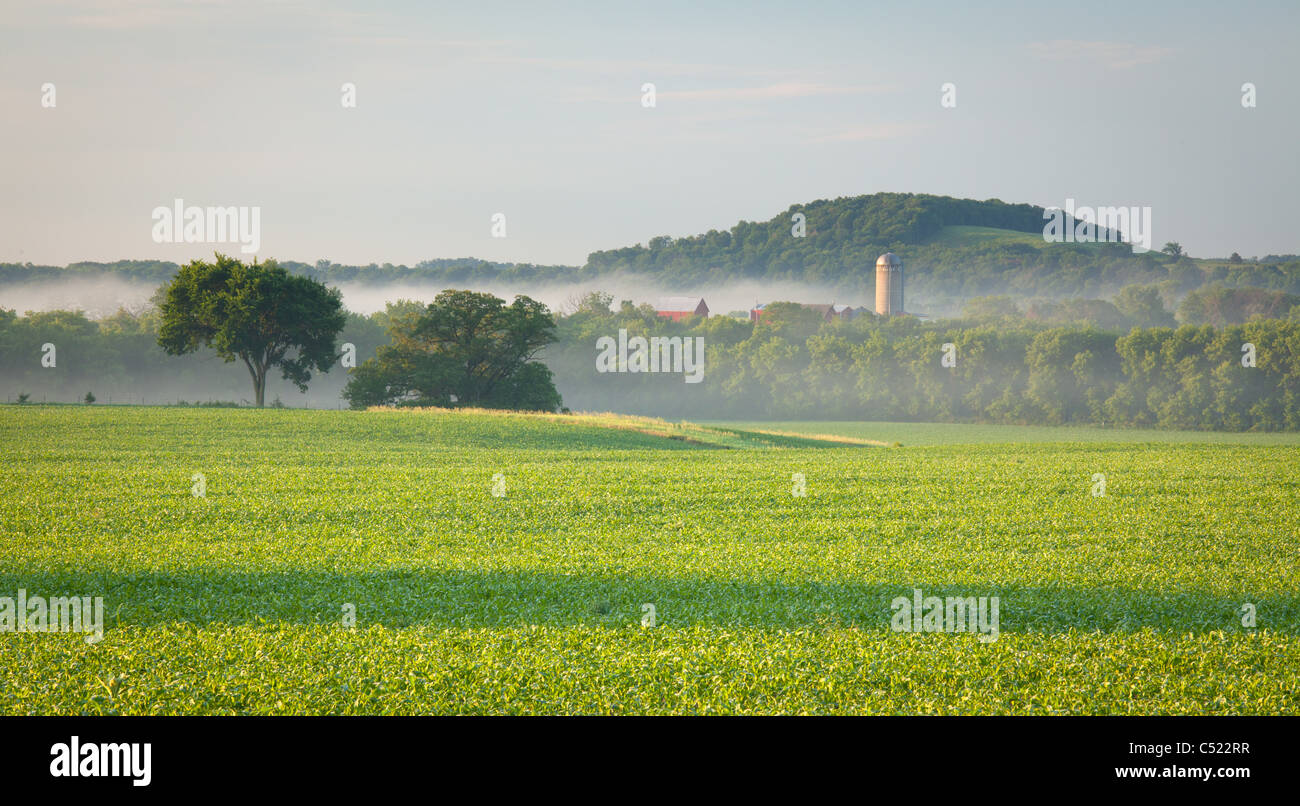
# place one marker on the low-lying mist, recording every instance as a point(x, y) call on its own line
point(97, 297)
point(103, 296)
point(367, 298)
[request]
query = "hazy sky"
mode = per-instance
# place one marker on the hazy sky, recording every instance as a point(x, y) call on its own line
point(534, 110)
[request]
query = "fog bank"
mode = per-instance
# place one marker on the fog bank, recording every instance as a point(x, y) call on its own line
point(98, 296)
point(367, 298)
point(103, 296)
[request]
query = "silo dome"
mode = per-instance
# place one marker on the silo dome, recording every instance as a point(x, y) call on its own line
point(889, 285)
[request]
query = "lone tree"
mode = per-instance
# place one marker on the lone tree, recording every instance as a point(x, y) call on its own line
point(466, 347)
point(258, 313)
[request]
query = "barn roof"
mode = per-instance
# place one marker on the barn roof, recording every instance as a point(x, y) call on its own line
point(679, 304)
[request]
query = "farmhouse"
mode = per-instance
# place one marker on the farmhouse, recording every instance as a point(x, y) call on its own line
point(678, 308)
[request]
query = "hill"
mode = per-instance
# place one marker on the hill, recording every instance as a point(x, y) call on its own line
point(953, 250)
point(842, 239)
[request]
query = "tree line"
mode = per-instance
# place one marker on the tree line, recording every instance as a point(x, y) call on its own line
point(466, 347)
point(219, 323)
point(794, 365)
point(218, 328)
point(1143, 306)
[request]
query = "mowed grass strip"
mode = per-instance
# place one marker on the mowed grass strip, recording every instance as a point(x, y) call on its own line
point(766, 602)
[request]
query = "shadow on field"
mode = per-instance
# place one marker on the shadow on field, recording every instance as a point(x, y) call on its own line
point(407, 597)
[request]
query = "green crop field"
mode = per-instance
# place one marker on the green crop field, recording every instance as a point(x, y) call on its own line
point(959, 235)
point(500, 564)
point(963, 434)
point(962, 235)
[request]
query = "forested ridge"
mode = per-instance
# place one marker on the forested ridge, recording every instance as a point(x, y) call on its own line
point(841, 240)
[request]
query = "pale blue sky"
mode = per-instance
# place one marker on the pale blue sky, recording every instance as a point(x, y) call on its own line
point(533, 110)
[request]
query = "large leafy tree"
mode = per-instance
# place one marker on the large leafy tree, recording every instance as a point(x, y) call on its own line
point(257, 313)
point(1143, 305)
point(465, 347)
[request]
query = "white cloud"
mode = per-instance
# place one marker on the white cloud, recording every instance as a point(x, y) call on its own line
point(1112, 55)
point(874, 131)
point(650, 70)
point(135, 15)
point(780, 90)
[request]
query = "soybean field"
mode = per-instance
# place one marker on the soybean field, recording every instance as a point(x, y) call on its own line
point(434, 562)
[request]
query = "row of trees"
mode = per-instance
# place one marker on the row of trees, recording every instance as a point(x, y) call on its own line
point(453, 270)
point(214, 329)
point(469, 348)
point(466, 347)
point(793, 365)
point(1143, 306)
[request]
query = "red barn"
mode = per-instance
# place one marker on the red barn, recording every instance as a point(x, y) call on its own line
point(678, 308)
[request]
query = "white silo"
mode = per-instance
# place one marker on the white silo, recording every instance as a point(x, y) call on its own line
point(889, 285)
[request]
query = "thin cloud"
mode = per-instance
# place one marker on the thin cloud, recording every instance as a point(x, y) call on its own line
point(419, 41)
point(141, 15)
point(783, 90)
point(650, 69)
point(1112, 55)
point(126, 15)
point(780, 90)
point(874, 131)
